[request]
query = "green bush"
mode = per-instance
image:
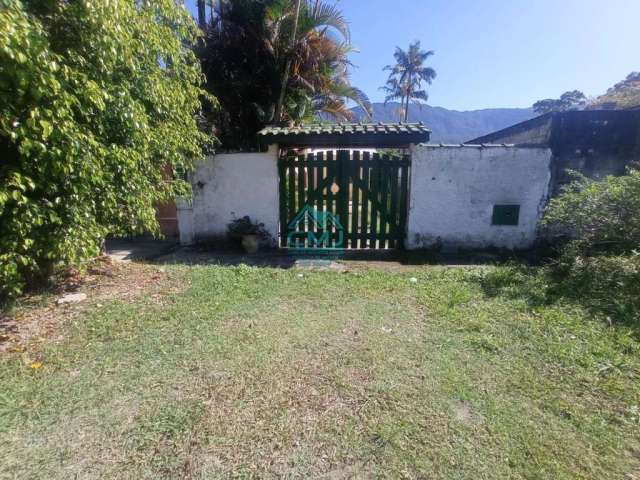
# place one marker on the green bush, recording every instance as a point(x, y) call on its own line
point(599, 263)
point(597, 216)
point(97, 104)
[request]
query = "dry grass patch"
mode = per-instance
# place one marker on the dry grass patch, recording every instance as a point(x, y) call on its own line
point(38, 318)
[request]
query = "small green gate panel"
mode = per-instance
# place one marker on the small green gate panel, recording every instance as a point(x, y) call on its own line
point(343, 199)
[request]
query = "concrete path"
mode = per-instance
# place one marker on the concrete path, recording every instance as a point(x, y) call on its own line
point(170, 252)
point(126, 250)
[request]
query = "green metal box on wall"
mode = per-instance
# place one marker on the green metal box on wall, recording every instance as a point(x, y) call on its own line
point(505, 215)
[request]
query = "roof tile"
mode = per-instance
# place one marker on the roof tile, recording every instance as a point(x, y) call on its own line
point(345, 128)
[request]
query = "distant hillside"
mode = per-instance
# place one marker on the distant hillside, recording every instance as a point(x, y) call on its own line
point(624, 94)
point(452, 126)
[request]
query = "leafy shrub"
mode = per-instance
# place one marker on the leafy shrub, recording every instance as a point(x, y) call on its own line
point(245, 226)
point(97, 103)
point(597, 216)
point(599, 263)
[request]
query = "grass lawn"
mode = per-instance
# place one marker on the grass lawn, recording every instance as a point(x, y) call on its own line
point(246, 372)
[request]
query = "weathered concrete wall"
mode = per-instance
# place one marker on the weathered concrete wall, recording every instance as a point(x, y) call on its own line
point(596, 143)
point(230, 186)
point(536, 131)
point(454, 189)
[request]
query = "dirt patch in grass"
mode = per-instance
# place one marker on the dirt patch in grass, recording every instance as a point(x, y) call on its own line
point(463, 411)
point(37, 318)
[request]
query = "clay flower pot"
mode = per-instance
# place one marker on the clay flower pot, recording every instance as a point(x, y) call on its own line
point(250, 243)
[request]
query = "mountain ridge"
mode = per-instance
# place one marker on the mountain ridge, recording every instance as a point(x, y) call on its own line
point(451, 126)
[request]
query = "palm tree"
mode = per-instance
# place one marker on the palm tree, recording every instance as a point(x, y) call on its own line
point(254, 49)
point(316, 73)
point(287, 68)
point(406, 77)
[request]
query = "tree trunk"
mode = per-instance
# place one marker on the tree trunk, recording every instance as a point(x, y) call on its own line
point(285, 77)
point(202, 14)
point(406, 110)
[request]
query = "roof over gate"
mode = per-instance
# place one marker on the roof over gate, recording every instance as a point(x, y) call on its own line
point(375, 135)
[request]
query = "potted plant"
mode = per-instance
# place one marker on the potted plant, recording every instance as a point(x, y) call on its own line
point(249, 234)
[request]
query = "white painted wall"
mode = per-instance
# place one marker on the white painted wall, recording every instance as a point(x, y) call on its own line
point(230, 186)
point(454, 189)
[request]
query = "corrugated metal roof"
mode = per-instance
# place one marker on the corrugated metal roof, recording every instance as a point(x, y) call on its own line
point(345, 129)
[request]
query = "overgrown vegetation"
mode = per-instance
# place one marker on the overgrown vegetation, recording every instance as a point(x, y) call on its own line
point(255, 52)
point(266, 373)
point(598, 226)
point(97, 103)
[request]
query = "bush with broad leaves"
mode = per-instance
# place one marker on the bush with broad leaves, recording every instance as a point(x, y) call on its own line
point(97, 105)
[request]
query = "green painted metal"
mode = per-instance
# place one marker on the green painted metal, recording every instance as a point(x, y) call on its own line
point(366, 192)
point(505, 215)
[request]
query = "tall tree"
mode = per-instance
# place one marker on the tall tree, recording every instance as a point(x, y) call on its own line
point(572, 100)
point(252, 49)
point(407, 75)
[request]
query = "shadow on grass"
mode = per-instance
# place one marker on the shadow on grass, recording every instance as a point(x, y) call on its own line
point(607, 295)
point(286, 258)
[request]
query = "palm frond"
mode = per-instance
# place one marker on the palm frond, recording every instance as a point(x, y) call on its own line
point(420, 95)
point(324, 14)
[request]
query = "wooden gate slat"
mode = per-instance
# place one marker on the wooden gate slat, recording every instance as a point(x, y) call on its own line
point(355, 197)
point(301, 192)
point(329, 193)
point(402, 223)
point(282, 175)
point(342, 157)
point(393, 178)
point(375, 195)
point(311, 186)
point(384, 201)
point(365, 223)
point(292, 191)
point(321, 177)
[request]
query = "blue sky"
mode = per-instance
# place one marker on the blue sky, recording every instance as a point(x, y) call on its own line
point(498, 53)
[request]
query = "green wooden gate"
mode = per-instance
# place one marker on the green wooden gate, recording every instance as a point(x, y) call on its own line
point(343, 199)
